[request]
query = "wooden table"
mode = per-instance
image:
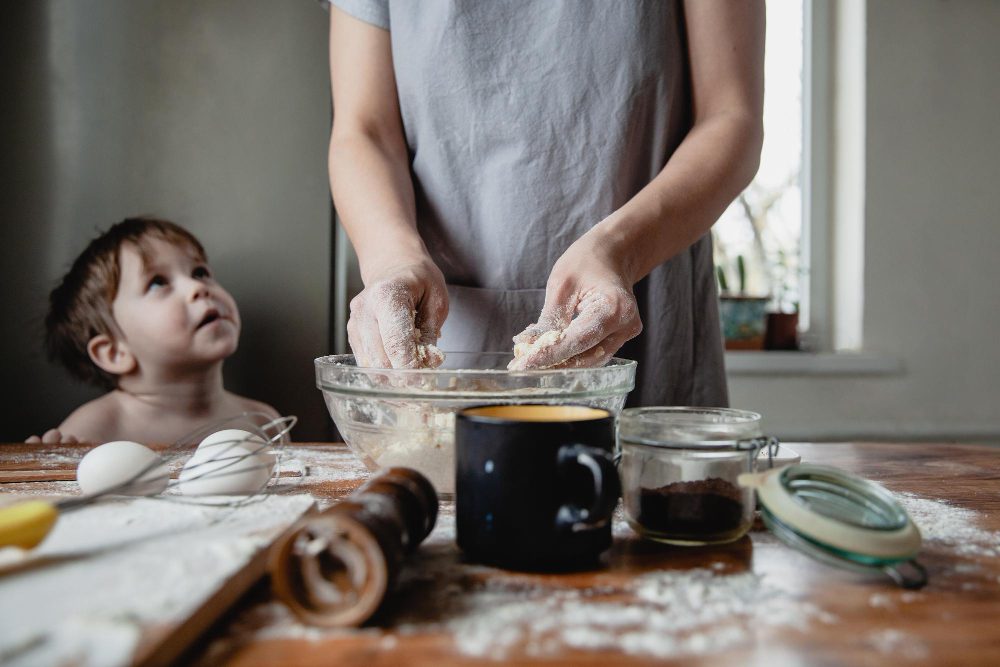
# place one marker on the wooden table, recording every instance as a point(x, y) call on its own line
point(751, 602)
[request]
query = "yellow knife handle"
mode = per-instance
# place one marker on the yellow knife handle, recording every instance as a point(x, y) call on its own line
point(26, 524)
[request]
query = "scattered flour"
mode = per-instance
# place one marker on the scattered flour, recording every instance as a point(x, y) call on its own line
point(659, 614)
point(672, 613)
point(897, 642)
point(56, 457)
point(321, 464)
point(953, 527)
point(111, 569)
point(881, 601)
point(892, 600)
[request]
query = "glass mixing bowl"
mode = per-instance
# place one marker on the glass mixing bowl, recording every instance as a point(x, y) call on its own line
point(406, 417)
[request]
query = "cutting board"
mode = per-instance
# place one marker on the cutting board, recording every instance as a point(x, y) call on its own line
point(134, 581)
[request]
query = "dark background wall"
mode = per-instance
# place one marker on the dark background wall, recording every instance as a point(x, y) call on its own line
point(212, 113)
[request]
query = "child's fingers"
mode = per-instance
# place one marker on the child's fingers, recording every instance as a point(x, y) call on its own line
point(52, 437)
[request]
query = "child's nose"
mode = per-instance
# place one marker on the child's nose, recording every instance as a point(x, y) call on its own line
point(198, 290)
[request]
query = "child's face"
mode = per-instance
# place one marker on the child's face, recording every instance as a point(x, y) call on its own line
point(171, 312)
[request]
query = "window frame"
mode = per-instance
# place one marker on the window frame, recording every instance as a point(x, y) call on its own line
point(816, 175)
point(833, 205)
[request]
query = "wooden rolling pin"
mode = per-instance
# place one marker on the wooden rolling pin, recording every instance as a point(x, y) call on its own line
point(335, 568)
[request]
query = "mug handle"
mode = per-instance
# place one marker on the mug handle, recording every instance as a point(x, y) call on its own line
point(600, 464)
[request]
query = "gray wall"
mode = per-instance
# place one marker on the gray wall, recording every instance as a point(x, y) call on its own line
point(212, 113)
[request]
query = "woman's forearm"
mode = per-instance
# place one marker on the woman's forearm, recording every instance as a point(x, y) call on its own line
point(717, 158)
point(368, 160)
point(373, 193)
point(713, 164)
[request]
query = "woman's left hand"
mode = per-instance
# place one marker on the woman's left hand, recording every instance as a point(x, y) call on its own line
point(589, 312)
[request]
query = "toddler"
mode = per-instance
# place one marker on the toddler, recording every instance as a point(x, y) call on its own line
point(140, 314)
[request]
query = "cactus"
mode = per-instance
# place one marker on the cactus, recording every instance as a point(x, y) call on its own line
point(741, 270)
point(721, 275)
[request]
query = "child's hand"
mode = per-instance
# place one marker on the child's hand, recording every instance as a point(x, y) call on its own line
point(52, 437)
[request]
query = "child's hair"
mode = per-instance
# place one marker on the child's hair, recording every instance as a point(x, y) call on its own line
point(80, 306)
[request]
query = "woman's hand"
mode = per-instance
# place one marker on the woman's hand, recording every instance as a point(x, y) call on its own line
point(396, 320)
point(589, 311)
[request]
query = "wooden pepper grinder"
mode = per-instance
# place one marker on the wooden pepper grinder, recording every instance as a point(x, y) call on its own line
point(335, 568)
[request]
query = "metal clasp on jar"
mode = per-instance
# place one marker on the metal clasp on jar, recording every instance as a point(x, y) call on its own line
point(756, 445)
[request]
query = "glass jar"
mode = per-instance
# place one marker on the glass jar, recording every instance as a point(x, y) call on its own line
point(679, 468)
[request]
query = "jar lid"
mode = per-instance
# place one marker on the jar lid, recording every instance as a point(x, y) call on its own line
point(840, 519)
point(753, 445)
point(696, 428)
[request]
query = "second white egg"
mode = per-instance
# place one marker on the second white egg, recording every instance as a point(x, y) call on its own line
point(224, 470)
point(221, 440)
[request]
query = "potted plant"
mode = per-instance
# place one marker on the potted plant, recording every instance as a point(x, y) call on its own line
point(773, 258)
point(742, 316)
point(782, 330)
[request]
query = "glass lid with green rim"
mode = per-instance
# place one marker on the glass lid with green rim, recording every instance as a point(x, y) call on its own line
point(840, 519)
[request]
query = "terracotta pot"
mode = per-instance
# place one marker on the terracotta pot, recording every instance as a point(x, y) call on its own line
point(782, 331)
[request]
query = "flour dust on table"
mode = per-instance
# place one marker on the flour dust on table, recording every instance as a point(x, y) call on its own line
point(109, 572)
point(670, 613)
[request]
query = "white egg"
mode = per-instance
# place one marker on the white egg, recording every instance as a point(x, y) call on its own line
point(224, 470)
point(251, 441)
point(115, 463)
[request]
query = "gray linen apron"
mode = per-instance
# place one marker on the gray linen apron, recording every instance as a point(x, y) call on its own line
point(529, 121)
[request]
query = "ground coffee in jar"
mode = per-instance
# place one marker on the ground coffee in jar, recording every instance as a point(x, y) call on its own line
point(696, 510)
point(679, 470)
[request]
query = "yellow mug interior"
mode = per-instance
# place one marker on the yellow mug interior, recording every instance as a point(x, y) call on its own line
point(538, 413)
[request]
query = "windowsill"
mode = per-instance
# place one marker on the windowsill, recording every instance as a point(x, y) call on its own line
point(769, 362)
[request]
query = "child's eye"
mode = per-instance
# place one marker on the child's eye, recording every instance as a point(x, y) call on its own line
point(155, 282)
point(201, 272)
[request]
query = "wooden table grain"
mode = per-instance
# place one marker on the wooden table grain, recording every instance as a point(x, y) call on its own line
point(863, 620)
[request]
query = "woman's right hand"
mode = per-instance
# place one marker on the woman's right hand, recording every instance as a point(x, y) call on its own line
point(396, 320)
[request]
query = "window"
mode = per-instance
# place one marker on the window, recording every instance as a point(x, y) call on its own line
point(764, 226)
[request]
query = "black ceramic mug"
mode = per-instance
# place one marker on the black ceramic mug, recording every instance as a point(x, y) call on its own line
point(535, 485)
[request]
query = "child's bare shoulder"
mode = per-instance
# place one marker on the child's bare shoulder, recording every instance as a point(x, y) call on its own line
point(250, 405)
point(95, 421)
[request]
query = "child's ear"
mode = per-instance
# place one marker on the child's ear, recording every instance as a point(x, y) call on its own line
point(110, 355)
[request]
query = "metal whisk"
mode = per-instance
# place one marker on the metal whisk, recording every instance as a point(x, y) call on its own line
point(27, 523)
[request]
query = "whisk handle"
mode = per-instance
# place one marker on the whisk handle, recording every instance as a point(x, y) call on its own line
point(26, 524)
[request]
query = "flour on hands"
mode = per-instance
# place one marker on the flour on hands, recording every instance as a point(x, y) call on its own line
point(582, 336)
point(396, 322)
